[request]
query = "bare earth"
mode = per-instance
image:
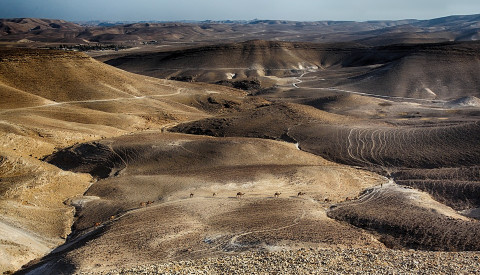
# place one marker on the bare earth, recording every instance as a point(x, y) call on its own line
point(328, 158)
point(318, 261)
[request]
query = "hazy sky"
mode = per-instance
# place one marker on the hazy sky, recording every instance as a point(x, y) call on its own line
point(300, 10)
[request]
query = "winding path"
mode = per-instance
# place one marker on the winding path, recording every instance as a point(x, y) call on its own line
point(233, 240)
point(299, 80)
point(92, 101)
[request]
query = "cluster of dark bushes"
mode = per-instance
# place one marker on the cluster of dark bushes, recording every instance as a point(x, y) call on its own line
point(187, 78)
point(247, 85)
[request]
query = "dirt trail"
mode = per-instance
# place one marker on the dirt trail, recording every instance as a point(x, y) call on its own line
point(92, 101)
point(419, 198)
point(408, 99)
point(232, 244)
point(13, 236)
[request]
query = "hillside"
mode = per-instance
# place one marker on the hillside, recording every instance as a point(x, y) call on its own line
point(152, 176)
point(340, 152)
point(35, 32)
point(438, 71)
point(424, 71)
point(233, 61)
point(53, 99)
point(28, 30)
point(35, 25)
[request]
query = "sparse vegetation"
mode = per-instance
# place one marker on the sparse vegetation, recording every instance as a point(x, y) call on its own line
point(247, 85)
point(379, 129)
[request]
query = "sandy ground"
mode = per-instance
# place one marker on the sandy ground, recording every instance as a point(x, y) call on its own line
point(123, 190)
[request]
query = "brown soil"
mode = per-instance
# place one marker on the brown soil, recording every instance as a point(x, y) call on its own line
point(422, 71)
point(56, 99)
point(137, 160)
point(401, 222)
point(116, 213)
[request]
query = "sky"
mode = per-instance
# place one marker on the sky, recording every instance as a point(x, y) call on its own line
point(297, 10)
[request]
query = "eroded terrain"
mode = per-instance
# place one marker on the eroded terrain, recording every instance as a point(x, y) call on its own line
point(323, 146)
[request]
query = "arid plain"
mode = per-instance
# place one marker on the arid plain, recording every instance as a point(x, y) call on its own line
point(195, 143)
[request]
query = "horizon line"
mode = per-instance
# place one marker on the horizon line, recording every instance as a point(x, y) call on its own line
point(232, 20)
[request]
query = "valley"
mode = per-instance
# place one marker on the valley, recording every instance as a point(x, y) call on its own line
point(362, 140)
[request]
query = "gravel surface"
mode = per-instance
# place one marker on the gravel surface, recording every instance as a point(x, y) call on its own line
point(325, 261)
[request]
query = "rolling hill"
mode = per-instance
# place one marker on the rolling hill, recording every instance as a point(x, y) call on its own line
point(452, 28)
point(443, 71)
point(53, 99)
point(356, 146)
point(143, 206)
point(23, 25)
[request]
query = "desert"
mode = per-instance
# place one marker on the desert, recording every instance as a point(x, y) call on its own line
point(240, 147)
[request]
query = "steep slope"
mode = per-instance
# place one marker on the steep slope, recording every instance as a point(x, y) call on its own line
point(33, 217)
point(150, 194)
point(440, 158)
point(71, 87)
